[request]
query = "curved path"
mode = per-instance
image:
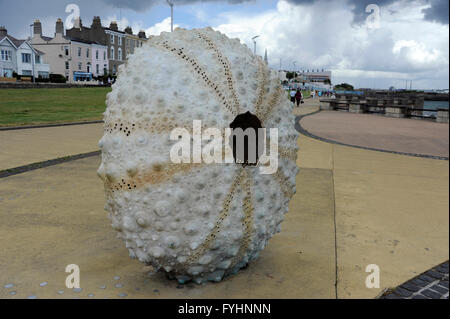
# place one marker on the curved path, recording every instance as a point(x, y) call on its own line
point(402, 136)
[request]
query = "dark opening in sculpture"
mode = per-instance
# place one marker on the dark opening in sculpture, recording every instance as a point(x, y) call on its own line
point(252, 145)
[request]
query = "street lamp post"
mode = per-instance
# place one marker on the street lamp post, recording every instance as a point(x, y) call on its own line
point(170, 3)
point(254, 44)
point(32, 52)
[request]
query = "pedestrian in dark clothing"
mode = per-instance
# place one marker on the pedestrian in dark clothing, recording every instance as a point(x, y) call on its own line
point(298, 97)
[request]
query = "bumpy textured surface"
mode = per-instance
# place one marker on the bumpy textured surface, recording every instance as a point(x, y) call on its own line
point(195, 221)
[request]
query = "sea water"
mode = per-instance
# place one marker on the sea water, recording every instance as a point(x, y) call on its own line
point(433, 105)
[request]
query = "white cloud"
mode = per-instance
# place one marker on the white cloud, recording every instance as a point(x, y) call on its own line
point(159, 27)
point(323, 35)
point(416, 52)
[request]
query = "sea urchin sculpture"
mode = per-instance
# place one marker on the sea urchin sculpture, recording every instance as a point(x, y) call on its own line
point(196, 221)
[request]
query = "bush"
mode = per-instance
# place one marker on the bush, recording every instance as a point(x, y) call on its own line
point(291, 75)
point(57, 78)
point(343, 87)
point(40, 79)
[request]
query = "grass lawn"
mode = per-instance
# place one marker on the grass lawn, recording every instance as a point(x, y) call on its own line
point(37, 106)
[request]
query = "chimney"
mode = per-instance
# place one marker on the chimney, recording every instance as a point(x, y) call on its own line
point(77, 23)
point(3, 31)
point(59, 27)
point(37, 27)
point(128, 30)
point(141, 34)
point(96, 23)
point(113, 26)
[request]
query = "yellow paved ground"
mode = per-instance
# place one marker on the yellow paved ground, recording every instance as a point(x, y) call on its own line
point(54, 216)
point(22, 147)
point(389, 210)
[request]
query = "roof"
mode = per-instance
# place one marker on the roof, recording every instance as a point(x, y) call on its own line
point(109, 29)
point(17, 43)
point(81, 40)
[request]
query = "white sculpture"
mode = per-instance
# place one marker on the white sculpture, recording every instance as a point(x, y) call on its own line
point(196, 221)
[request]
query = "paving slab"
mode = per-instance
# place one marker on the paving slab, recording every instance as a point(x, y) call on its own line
point(432, 289)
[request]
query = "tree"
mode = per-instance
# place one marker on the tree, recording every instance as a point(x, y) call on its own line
point(291, 75)
point(343, 87)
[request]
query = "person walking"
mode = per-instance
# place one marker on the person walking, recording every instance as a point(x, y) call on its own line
point(292, 94)
point(298, 97)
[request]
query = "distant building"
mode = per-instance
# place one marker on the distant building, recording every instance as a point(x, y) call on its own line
point(21, 57)
point(119, 43)
point(133, 41)
point(319, 76)
point(99, 59)
point(75, 58)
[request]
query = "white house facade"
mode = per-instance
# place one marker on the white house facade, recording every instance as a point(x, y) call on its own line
point(8, 58)
point(28, 59)
point(99, 59)
point(20, 57)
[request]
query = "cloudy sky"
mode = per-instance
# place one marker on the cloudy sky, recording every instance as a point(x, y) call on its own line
point(391, 42)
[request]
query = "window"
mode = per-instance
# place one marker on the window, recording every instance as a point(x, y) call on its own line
point(7, 73)
point(67, 65)
point(37, 59)
point(26, 72)
point(6, 55)
point(111, 39)
point(96, 54)
point(111, 54)
point(104, 55)
point(66, 50)
point(114, 69)
point(87, 53)
point(120, 40)
point(80, 66)
point(26, 58)
point(119, 54)
point(79, 51)
point(43, 74)
point(97, 69)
